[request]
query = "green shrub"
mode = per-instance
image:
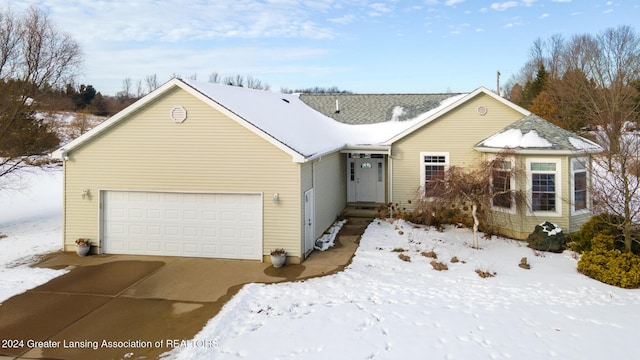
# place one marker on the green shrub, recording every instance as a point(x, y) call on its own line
point(609, 265)
point(580, 241)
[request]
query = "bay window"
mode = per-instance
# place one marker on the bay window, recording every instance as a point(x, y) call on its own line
point(544, 186)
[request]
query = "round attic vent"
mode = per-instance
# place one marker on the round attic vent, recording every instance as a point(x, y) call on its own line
point(178, 114)
point(482, 110)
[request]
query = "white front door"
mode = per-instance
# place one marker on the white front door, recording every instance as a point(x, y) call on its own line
point(309, 238)
point(365, 182)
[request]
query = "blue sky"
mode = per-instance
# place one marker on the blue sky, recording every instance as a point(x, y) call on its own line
point(422, 46)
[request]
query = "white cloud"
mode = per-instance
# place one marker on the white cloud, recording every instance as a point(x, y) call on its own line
point(561, 1)
point(544, 16)
point(111, 66)
point(528, 3)
point(173, 21)
point(453, 2)
point(516, 21)
point(378, 9)
point(344, 20)
point(504, 5)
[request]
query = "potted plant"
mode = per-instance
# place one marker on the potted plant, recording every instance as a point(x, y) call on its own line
point(278, 257)
point(83, 246)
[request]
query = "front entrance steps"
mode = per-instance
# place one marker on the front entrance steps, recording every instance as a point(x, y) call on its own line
point(347, 239)
point(360, 210)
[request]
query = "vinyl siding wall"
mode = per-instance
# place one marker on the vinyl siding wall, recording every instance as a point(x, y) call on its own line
point(330, 190)
point(523, 222)
point(327, 177)
point(207, 153)
point(456, 133)
point(577, 220)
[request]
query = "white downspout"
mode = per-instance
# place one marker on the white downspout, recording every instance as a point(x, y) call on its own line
point(390, 178)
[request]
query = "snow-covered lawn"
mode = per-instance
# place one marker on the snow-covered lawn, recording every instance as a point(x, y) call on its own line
point(384, 307)
point(380, 306)
point(31, 220)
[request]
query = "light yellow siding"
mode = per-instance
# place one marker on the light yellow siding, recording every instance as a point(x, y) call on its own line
point(207, 153)
point(523, 222)
point(329, 186)
point(456, 133)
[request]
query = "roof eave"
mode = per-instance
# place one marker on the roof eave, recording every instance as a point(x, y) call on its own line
point(452, 106)
point(366, 148)
point(535, 151)
point(61, 152)
point(319, 155)
point(296, 156)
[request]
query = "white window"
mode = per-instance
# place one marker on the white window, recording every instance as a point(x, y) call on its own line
point(544, 184)
point(579, 186)
point(503, 184)
point(432, 168)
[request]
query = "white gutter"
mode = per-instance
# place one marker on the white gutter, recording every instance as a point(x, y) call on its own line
point(536, 151)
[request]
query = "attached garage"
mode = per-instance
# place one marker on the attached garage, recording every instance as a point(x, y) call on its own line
point(212, 225)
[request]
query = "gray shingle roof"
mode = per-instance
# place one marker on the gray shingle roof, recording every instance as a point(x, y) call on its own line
point(373, 108)
point(554, 137)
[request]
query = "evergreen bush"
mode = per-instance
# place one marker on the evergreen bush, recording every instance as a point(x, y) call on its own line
point(581, 240)
point(609, 265)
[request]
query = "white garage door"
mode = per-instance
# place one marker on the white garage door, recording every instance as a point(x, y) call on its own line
point(182, 224)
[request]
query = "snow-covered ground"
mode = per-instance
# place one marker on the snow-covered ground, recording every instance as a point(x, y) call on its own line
point(380, 306)
point(386, 308)
point(31, 220)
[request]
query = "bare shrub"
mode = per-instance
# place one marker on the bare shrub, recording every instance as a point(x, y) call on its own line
point(439, 265)
point(485, 274)
point(429, 254)
point(404, 257)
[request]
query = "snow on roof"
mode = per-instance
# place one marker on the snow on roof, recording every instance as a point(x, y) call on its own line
point(583, 144)
point(532, 133)
point(514, 138)
point(282, 116)
point(372, 108)
point(292, 122)
point(298, 129)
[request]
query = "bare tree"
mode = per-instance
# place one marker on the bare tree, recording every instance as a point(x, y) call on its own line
point(616, 188)
point(253, 83)
point(10, 38)
point(592, 80)
point(151, 82)
point(126, 93)
point(214, 78)
point(49, 56)
point(234, 80)
point(139, 89)
point(34, 55)
point(474, 188)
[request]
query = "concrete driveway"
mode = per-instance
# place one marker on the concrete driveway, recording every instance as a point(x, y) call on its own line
point(138, 307)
